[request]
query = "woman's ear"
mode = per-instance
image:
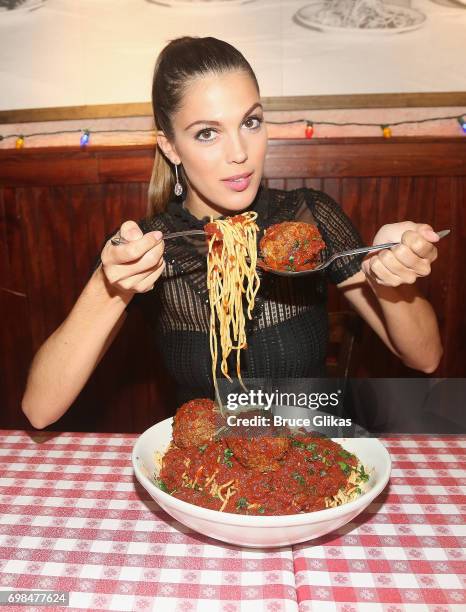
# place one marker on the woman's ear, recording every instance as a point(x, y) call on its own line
point(167, 148)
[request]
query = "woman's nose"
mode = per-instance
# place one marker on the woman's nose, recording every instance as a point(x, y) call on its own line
point(237, 152)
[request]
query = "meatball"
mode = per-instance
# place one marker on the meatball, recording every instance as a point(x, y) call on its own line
point(291, 245)
point(261, 453)
point(194, 423)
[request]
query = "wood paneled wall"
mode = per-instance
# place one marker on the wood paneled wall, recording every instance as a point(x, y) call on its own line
point(57, 205)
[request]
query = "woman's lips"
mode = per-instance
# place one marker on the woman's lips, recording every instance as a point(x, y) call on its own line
point(239, 184)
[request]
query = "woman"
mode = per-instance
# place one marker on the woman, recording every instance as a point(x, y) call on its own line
point(211, 132)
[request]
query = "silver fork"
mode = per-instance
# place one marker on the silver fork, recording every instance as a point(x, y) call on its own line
point(325, 264)
point(118, 239)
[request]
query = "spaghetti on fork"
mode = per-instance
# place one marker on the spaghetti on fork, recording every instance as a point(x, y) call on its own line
point(231, 275)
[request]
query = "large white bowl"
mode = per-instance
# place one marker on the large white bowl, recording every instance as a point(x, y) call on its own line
point(260, 531)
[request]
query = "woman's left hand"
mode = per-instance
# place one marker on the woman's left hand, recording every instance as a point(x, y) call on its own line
point(405, 262)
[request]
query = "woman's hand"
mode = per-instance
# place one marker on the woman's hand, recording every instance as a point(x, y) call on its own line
point(404, 263)
point(136, 266)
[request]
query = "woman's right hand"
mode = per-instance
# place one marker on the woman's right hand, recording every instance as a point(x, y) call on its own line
point(136, 266)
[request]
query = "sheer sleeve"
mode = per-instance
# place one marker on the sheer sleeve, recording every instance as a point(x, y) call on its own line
point(338, 233)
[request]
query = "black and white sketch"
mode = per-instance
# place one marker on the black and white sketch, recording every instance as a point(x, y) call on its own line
point(360, 16)
point(94, 52)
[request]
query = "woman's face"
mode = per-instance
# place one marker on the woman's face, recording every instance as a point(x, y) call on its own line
point(219, 134)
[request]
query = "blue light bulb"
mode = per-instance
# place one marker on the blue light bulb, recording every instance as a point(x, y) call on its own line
point(84, 138)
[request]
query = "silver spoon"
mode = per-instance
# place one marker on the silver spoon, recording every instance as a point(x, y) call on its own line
point(331, 259)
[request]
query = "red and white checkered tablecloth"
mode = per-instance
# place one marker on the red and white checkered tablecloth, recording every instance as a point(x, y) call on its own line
point(73, 518)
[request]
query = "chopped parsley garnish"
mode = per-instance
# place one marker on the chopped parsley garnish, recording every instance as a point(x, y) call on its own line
point(345, 454)
point(345, 468)
point(309, 447)
point(242, 503)
point(202, 448)
point(261, 510)
point(298, 478)
point(161, 485)
point(364, 476)
point(323, 473)
point(227, 454)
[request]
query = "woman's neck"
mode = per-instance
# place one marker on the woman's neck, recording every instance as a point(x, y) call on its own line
point(200, 207)
point(200, 210)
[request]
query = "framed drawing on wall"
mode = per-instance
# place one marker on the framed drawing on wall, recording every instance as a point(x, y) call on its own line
point(65, 59)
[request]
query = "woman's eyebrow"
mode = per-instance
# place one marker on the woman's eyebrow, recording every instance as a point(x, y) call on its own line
point(212, 122)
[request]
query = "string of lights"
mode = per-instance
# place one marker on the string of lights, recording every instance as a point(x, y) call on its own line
point(385, 127)
point(308, 124)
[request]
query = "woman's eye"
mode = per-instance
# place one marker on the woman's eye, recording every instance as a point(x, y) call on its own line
point(253, 122)
point(204, 134)
point(208, 134)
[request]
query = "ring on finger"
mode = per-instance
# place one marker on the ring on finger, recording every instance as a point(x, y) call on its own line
point(116, 240)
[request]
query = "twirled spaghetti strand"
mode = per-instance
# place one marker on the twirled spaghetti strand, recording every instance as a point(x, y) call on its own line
point(231, 274)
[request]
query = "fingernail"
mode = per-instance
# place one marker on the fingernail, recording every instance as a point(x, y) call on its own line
point(158, 237)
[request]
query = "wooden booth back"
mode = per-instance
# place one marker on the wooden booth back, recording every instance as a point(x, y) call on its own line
point(57, 205)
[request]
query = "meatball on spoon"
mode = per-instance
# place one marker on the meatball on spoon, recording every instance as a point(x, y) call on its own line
point(325, 264)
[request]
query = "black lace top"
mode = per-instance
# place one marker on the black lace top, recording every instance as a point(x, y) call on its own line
point(287, 337)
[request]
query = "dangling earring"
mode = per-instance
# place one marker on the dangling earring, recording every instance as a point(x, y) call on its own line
point(178, 185)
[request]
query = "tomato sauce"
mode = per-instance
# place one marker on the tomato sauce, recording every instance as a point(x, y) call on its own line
point(311, 470)
point(212, 230)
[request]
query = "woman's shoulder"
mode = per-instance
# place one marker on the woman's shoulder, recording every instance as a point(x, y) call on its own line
point(288, 201)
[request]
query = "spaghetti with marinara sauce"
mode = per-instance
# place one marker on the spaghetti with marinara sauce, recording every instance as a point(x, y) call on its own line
point(277, 472)
point(231, 274)
point(314, 473)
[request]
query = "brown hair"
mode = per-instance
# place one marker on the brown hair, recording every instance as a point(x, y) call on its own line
point(182, 60)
